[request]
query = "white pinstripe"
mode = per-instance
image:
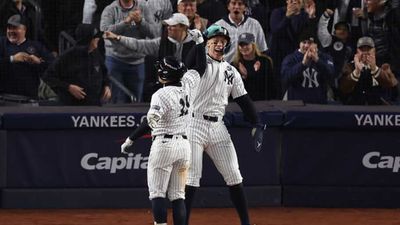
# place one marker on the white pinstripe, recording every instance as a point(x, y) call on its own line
point(169, 157)
point(213, 137)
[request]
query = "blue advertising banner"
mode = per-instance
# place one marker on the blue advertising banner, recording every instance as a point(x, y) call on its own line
point(340, 158)
point(343, 117)
point(80, 158)
point(71, 120)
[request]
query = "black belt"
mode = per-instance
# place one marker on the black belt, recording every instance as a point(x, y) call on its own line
point(209, 118)
point(169, 136)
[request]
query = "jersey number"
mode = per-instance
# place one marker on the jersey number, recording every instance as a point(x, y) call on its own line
point(185, 106)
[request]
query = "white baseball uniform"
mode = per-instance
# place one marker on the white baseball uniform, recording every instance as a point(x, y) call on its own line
point(170, 151)
point(207, 131)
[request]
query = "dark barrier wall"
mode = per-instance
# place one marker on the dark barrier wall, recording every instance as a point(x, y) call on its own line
point(336, 156)
point(92, 158)
point(82, 149)
point(3, 158)
point(328, 156)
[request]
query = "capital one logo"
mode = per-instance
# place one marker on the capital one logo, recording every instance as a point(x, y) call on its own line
point(92, 161)
point(374, 160)
point(310, 78)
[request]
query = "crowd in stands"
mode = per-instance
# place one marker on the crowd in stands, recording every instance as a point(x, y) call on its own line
point(318, 51)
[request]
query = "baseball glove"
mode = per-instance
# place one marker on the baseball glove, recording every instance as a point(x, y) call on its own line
point(258, 135)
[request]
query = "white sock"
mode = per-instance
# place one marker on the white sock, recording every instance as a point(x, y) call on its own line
point(160, 223)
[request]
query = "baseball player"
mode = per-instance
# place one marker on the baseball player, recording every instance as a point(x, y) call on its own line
point(207, 131)
point(170, 151)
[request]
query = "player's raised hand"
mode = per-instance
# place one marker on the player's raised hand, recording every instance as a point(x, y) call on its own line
point(196, 35)
point(126, 147)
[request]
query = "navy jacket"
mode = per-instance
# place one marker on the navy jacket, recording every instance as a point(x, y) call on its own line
point(22, 78)
point(307, 83)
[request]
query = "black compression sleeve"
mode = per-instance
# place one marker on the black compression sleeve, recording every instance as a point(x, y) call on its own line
point(143, 129)
point(196, 59)
point(248, 108)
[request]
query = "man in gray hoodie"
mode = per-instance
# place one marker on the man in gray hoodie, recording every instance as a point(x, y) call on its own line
point(126, 17)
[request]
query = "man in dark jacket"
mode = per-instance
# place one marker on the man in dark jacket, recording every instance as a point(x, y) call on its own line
point(22, 61)
point(79, 76)
point(287, 23)
point(307, 72)
point(364, 82)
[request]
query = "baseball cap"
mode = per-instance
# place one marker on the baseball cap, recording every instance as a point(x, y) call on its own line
point(179, 1)
point(342, 24)
point(16, 20)
point(246, 38)
point(84, 33)
point(307, 36)
point(365, 41)
point(177, 18)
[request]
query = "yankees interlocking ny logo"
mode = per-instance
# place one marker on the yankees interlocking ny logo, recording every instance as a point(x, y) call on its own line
point(229, 75)
point(310, 78)
point(185, 106)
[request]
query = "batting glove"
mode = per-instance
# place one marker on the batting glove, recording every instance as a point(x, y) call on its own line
point(196, 35)
point(126, 147)
point(258, 136)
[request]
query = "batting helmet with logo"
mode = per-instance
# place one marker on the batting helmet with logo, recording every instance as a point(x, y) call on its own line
point(170, 69)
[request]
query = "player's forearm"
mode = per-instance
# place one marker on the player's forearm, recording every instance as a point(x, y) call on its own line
point(143, 129)
point(248, 108)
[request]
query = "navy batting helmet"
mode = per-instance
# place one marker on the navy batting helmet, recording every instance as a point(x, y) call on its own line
point(170, 69)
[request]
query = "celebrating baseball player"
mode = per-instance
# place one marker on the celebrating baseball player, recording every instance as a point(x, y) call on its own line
point(207, 131)
point(170, 151)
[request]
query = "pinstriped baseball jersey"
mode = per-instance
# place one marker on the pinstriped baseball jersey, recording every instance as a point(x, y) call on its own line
point(219, 81)
point(171, 104)
point(169, 157)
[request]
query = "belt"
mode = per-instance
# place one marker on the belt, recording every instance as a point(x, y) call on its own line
point(209, 118)
point(169, 136)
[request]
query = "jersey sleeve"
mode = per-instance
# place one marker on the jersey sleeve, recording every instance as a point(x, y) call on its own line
point(191, 78)
point(157, 106)
point(238, 86)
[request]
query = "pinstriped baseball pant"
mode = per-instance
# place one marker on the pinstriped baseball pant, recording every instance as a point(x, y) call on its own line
point(214, 139)
point(167, 167)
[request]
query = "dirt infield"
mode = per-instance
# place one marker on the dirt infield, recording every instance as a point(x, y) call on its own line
point(226, 216)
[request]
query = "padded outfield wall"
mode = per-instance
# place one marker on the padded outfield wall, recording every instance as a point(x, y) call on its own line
point(323, 156)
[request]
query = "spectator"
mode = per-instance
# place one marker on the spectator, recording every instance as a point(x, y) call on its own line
point(287, 23)
point(336, 45)
point(124, 17)
point(363, 82)
point(307, 72)
point(179, 41)
point(255, 68)
point(383, 25)
point(26, 9)
point(261, 11)
point(212, 10)
point(189, 9)
point(236, 22)
point(159, 10)
point(92, 10)
point(79, 75)
point(22, 61)
point(60, 15)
